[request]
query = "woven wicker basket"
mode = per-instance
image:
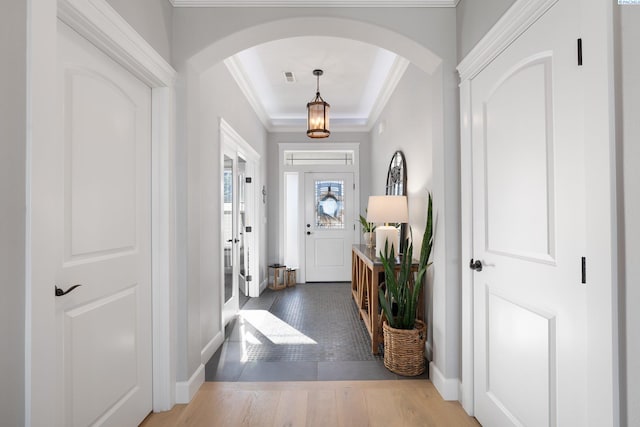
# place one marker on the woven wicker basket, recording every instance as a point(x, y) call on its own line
point(404, 349)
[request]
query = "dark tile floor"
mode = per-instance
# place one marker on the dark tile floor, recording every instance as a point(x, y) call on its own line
point(311, 332)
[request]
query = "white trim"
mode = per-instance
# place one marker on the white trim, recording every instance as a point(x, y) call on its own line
point(98, 22)
point(314, 146)
point(314, 3)
point(235, 69)
point(466, 232)
point(447, 387)
point(510, 26)
point(396, 72)
point(212, 346)
point(185, 390)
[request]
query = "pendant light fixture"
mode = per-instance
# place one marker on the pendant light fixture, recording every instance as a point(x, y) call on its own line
point(318, 113)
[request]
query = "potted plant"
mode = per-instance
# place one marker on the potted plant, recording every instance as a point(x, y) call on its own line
point(404, 334)
point(368, 230)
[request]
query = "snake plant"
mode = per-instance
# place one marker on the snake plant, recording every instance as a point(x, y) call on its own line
point(399, 301)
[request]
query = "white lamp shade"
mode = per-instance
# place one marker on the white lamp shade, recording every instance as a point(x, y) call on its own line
point(387, 209)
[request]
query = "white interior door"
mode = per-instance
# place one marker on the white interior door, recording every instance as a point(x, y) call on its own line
point(529, 229)
point(329, 226)
point(230, 237)
point(100, 233)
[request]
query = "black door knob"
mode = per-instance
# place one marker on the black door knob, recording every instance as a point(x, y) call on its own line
point(475, 265)
point(308, 233)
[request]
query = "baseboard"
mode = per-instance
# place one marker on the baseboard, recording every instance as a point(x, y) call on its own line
point(185, 390)
point(447, 387)
point(211, 347)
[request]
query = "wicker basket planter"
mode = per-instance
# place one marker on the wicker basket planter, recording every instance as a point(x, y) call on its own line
point(404, 349)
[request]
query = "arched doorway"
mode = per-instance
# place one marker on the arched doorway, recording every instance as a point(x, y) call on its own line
point(445, 152)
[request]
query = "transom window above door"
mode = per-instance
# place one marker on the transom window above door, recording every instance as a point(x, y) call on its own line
point(320, 157)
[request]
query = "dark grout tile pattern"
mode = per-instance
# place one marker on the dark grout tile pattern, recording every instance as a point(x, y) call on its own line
point(306, 333)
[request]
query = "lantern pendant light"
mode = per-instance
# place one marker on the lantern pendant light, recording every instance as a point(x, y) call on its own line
point(318, 113)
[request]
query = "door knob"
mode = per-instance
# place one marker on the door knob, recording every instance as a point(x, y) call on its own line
point(308, 233)
point(60, 292)
point(475, 265)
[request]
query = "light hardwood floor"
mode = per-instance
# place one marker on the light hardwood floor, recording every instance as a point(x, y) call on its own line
point(318, 403)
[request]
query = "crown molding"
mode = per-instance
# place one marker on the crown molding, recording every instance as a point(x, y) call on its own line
point(235, 69)
point(314, 3)
point(395, 75)
point(513, 23)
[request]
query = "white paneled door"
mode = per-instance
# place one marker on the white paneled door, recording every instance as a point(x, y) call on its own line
point(329, 226)
point(528, 229)
point(101, 226)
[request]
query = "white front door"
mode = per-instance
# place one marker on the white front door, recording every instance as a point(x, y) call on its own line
point(100, 237)
point(329, 226)
point(528, 230)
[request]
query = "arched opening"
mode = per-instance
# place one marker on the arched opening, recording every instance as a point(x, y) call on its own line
point(196, 152)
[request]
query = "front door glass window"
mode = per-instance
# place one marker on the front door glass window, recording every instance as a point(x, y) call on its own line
point(329, 204)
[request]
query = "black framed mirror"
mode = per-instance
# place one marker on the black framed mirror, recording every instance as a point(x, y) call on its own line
point(397, 185)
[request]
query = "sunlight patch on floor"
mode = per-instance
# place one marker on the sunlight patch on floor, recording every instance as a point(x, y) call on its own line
point(273, 328)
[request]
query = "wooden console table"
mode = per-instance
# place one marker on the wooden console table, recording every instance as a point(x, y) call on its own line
point(366, 269)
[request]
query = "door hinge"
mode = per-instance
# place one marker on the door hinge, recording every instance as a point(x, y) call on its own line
point(247, 180)
point(248, 229)
point(580, 52)
point(248, 278)
point(354, 185)
point(584, 270)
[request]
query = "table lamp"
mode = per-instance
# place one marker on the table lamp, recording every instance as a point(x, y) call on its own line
point(387, 210)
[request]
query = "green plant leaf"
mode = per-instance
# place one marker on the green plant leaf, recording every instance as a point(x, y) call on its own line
point(403, 287)
point(367, 227)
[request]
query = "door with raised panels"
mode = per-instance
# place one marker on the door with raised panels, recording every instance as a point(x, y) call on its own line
point(100, 236)
point(528, 229)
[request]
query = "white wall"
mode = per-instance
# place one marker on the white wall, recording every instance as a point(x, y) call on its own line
point(151, 19)
point(474, 18)
point(13, 32)
point(408, 126)
point(215, 95)
point(629, 101)
point(407, 121)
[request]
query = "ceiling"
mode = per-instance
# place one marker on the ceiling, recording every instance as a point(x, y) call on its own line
point(357, 81)
point(358, 78)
